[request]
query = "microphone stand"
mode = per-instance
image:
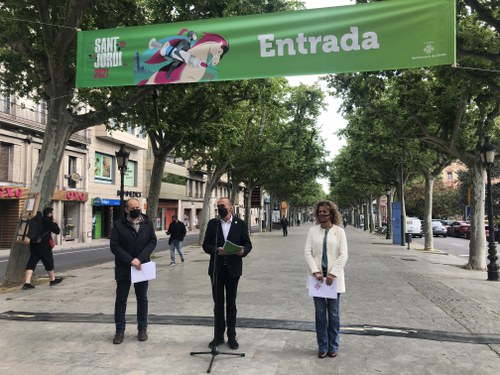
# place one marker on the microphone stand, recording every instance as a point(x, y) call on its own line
point(215, 351)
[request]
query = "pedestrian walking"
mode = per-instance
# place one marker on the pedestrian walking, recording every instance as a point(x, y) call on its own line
point(133, 239)
point(284, 225)
point(177, 232)
point(41, 248)
point(326, 255)
point(228, 270)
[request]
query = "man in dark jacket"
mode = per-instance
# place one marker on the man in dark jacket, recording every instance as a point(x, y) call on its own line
point(177, 232)
point(133, 239)
point(284, 225)
point(227, 270)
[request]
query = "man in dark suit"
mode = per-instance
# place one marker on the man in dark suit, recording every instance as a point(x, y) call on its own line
point(227, 270)
point(133, 239)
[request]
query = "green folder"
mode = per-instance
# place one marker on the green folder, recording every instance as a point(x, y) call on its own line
point(230, 248)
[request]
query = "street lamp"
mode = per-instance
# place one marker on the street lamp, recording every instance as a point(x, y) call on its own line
point(122, 162)
point(488, 158)
point(389, 213)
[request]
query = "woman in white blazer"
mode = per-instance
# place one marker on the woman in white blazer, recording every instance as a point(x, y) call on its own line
point(326, 255)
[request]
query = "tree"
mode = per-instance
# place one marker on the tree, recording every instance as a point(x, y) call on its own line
point(37, 49)
point(450, 110)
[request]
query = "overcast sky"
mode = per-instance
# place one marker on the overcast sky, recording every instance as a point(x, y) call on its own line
point(329, 121)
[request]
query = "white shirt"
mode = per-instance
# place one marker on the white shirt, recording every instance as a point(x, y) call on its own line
point(225, 226)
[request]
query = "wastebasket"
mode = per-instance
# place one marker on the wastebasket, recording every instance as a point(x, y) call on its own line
point(408, 238)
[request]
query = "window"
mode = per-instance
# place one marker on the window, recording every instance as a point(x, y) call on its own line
point(130, 178)
point(42, 111)
point(5, 103)
point(6, 161)
point(102, 167)
point(71, 170)
point(449, 176)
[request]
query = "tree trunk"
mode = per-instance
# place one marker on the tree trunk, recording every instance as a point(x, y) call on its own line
point(57, 133)
point(477, 245)
point(212, 180)
point(370, 213)
point(155, 186)
point(429, 187)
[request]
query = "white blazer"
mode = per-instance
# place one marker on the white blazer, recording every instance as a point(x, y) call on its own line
point(336, 252)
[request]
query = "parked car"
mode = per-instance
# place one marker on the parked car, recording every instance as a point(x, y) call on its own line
point(414, 227)
point(446, 223)
point(438, 229)
point(459, 229)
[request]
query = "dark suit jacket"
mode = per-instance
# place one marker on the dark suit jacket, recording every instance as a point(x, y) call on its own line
point(238, 234)
point(127, 244)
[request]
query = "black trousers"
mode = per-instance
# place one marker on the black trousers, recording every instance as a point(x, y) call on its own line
point(141, 295)
point(228, 284)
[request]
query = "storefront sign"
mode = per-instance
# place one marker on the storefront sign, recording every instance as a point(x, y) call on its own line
point(97, 202)
point(70, 195)
point(130, 194)
point(9, 192)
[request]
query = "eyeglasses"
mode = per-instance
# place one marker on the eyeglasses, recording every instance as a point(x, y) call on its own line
point(323, 213)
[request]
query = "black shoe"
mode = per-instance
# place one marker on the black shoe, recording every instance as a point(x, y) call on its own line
point(142, 336)
point(322, 354)
point(118, 339)
point(28, 286)
point(216, 342)
point(56, 281)
point(233, 344)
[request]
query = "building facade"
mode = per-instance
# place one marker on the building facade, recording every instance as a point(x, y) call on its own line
point(86, 199)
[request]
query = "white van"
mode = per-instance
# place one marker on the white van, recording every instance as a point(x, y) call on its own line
point(414, 226)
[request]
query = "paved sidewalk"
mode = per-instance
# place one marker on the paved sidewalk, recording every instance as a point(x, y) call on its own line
point(405, 312)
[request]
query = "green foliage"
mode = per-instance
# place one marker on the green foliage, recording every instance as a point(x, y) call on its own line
point(174, 179)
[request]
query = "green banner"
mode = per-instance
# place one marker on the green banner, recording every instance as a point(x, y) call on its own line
point(384, 35)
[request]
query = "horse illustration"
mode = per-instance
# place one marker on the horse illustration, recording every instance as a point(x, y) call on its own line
point(186, 59)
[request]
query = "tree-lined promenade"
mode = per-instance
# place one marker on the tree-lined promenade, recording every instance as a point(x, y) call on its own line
point(261, 132)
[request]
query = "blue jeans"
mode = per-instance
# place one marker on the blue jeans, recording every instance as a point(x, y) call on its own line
point(141, 294)
point(176, 244)
point(327, 323)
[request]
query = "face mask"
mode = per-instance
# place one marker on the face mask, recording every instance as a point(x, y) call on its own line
point(222, 211)
point(134, 214)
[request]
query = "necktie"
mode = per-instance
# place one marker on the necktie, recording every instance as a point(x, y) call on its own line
point(324, 257)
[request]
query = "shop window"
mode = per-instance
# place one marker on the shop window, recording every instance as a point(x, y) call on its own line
point(6, 161)
point(102, 168)
point(71, 214)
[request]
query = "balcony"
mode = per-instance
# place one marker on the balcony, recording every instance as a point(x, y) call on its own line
point(119, 137)
point(22, 119)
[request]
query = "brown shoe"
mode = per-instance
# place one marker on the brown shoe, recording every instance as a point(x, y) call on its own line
point(322, 354)
point(332, 354)
point(142, 336)
point(118, 339)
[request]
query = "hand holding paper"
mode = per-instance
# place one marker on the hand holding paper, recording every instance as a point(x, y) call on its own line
point(147, 272)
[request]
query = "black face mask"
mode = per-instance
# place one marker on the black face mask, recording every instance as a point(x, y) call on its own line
point(134, 214)
point(222, 211)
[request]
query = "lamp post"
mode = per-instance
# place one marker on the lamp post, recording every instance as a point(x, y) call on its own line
point(389, 214)
point(488, 158)
point(122, 162)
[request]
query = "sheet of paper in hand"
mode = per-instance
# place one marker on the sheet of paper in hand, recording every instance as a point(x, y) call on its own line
point(320, 289)
point(147, 272)
point(230, 248)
